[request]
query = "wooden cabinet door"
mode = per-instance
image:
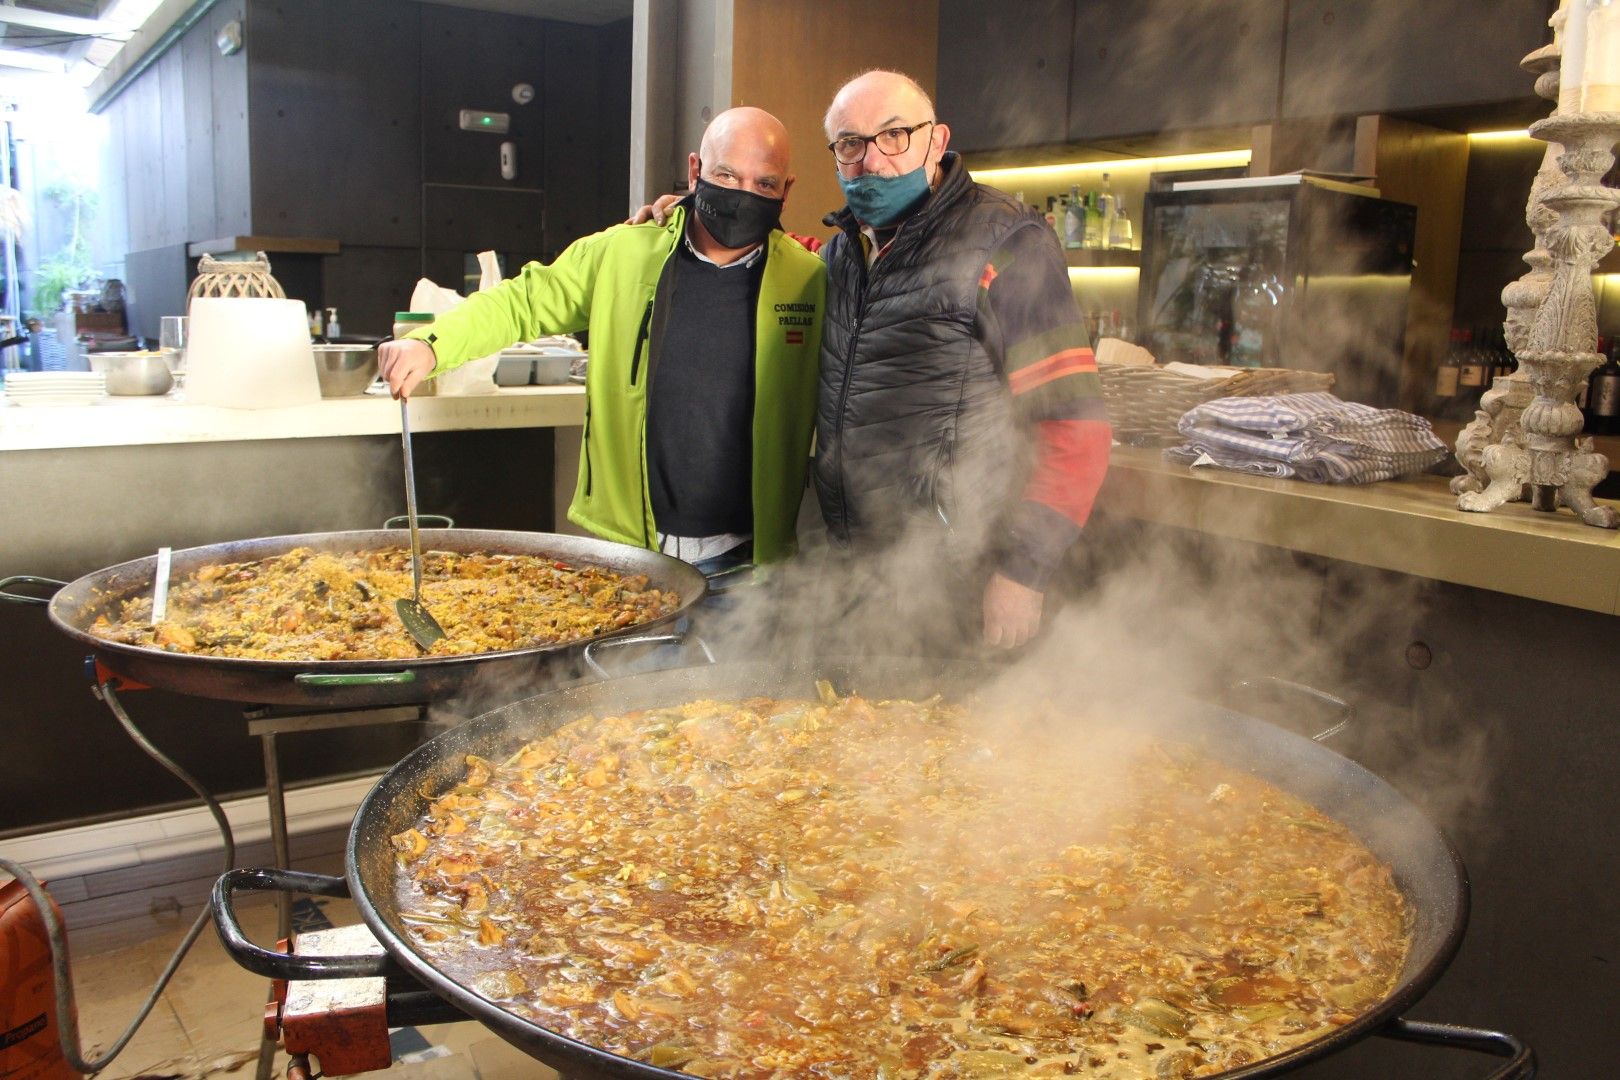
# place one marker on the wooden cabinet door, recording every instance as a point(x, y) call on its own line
point(1004, 72)
point(1349, 57)
point(1145, 66)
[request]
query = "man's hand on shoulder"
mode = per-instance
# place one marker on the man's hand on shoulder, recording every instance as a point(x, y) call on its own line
point(1012, 612)
point(812, 244)
point(403, 364)
point(657, 212)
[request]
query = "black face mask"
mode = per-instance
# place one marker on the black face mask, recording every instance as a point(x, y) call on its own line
point(734, 217)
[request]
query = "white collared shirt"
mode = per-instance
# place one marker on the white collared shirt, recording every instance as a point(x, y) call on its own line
point(747, 260)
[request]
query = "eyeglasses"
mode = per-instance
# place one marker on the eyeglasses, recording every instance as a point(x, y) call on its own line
point(891, 141)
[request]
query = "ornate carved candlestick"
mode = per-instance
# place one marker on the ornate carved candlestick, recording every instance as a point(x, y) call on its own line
point(1497, 418)
point(1561, 347)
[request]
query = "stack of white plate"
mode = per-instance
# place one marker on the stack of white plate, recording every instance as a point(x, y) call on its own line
point(55, 387)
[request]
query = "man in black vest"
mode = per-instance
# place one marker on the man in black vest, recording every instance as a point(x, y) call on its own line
point(960, 433)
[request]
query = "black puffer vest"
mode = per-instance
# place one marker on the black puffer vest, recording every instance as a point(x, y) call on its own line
point(914, 422)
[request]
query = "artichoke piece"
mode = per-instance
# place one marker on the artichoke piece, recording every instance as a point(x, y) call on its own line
point(500, 985)
point(668, 1055)
point(410, 843)
point(1256, 1014)
point(1178, 1065)
point(1355, 995)
point(973, 1063)
point(955, 956)
point(1158, 1018)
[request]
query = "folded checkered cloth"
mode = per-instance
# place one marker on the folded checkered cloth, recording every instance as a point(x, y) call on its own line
point(1314, 437)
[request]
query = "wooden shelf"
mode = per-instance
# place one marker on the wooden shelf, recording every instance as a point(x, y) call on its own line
point(1102, 256)
point(1157, 144)
point(1411, 525)
point(284, 245)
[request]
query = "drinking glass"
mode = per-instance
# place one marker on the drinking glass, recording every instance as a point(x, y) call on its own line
point(172, 341)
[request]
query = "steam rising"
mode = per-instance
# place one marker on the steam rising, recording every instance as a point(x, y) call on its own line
point(1156, 623)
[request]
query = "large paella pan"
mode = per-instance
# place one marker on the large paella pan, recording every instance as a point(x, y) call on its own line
point(1341, 797)
point(105, 595)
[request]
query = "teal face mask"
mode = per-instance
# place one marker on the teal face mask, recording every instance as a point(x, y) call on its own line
point(880, 201)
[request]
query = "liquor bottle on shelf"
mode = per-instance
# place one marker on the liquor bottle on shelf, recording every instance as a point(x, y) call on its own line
point(1107, 207)
point(1075, 219)
point(1446, 376)
point(1470, 376)
point(1119, 237)
point(1603, 396)
point(1093, 221)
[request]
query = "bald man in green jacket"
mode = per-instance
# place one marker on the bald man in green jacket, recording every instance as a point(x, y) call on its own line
point(704, 339)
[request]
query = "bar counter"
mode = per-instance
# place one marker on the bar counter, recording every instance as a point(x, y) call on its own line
point(88, 486)
point(138, 421)
point(1411, 525)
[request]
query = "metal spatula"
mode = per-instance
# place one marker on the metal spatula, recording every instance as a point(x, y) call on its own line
point(419, 622)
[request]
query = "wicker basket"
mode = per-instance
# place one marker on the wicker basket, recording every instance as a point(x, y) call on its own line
point(245, 278)
point(1145, 401)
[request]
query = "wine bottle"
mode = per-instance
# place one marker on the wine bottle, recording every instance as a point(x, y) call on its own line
point(1603, 396)
point(1446, 377)
point(1470, 375)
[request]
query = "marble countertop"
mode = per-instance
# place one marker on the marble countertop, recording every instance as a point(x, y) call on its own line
point(136, 421)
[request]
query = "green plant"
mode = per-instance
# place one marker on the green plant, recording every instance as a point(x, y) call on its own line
point(70, 268)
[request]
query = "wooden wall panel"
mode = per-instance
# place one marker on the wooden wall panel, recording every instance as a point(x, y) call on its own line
point(368, 284)
point(333, 119)
point(573, 149)
point(169, 140)
point(1369, 56)
point(157, 280)
point(1004, 81)
point(790, 56)
point(197, 53)
point(613, 120)
point(228, 89)
point(1159, 65)
point(317, 129)
point(144, 162)
point(1428, 168)
point(481, 218)
point(471, 60)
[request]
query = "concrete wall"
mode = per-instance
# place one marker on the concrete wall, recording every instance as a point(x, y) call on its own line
point(338, 120)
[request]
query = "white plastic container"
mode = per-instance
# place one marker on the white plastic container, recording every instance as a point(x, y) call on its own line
point(250, 354)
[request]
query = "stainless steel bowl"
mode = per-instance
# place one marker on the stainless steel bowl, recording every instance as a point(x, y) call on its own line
point(134, 374)
point(345, 370)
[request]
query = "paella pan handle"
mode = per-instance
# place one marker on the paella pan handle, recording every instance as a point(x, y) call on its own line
point(358, 678)
point(426, 521)
point(27, 579)
point(1522, 1059)
point(731, 577)
point(1347, 711)
point(275, 965)
point(646, 639)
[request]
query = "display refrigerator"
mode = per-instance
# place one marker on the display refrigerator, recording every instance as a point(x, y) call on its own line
point(1279, 271)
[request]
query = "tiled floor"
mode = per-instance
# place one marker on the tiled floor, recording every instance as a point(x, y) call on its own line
point(207, 1022)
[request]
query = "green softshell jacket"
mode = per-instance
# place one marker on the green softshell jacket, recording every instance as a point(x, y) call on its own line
point(606, 283)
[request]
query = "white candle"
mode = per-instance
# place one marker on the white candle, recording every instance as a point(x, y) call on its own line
point(1572, 65)
point(1600, 77)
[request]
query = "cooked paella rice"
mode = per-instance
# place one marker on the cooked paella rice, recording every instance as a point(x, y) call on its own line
point(339, 605)
point(851, 888)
